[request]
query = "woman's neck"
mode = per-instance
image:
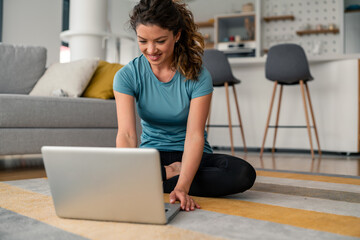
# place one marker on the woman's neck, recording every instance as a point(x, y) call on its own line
point(164, 75)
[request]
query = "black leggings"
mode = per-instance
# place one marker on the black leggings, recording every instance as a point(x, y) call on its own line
point(218, 175)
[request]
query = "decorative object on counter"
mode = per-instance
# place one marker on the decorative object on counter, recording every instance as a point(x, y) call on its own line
point(248, 7)
point(218, 65)
point(250, 28)
point(286, 64)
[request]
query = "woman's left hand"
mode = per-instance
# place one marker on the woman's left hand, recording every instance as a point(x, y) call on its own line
point(186, 202)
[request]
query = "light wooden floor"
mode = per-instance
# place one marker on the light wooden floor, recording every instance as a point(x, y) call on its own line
point(22, 173)
point(14, 169)
point(327, 164)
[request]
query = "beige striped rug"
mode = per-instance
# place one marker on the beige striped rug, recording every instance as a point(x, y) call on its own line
point(281, 205)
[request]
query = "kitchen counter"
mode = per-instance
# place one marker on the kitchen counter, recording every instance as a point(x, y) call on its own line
point(334, 94)
point(261, 60)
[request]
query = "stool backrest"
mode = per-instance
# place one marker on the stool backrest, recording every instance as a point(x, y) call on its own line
point(218, 65)
point(287, 64)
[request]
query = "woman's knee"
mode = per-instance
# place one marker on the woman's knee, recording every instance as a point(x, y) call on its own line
point(244, 174)
point(247, 176)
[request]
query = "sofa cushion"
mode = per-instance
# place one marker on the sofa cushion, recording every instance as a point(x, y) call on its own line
point(101, 84)
point(30, 140)
point(20, 67)
point(23, 111)
point(69, 78)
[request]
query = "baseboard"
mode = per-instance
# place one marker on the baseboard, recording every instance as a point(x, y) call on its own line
point(21, 161)
point(285, 150)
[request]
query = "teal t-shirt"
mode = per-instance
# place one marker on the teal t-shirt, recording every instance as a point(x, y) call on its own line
point(162, 107)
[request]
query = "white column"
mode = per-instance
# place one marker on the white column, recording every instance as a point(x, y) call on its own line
point(88, 25)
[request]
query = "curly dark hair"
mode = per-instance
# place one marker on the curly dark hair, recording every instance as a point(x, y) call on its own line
point(174, 16)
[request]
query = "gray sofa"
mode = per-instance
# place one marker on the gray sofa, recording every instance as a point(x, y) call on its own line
point(29, 122)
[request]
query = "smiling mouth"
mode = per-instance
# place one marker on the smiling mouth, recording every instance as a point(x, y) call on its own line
point(154, 57)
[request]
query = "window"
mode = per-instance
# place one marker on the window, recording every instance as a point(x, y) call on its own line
point(65, 17)
point(64, 48)
point(1, 18)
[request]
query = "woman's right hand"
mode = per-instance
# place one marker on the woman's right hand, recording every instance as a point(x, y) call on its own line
point(186, 201)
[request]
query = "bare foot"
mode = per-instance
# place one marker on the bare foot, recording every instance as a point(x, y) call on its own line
point(173, 170)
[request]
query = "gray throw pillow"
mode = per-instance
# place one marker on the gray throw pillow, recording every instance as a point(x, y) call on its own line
point(20, 67)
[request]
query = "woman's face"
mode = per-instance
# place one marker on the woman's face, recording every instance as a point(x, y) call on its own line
point(157, 44)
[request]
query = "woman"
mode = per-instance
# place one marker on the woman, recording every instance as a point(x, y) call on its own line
point(173, 92)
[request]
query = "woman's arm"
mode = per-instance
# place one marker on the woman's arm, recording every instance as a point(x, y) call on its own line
point(193, 150)
point(125, 109)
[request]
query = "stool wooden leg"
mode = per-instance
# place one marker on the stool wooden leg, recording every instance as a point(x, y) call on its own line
point(268, 119)
point(277, 119)
point(307, 117)
point(229, 116)
point(239, 117)
point(313, 118)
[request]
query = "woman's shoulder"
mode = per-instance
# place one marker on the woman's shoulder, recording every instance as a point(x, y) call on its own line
point(127, 79)
point(204, 73)
point(203, 78)
point(135, 65)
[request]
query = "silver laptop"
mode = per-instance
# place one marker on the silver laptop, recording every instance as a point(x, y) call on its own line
point(109, 184)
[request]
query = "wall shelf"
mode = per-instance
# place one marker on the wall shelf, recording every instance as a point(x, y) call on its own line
point(279, 18)
point(209, 23)
point(322, 31)
point(354, 10)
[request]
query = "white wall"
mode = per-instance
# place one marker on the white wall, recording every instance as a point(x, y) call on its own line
point(204, 10)
point(39, 23)
point(119, 11)
point(33, 22)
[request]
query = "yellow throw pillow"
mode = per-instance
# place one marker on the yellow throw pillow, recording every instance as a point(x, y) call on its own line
point(101, 84)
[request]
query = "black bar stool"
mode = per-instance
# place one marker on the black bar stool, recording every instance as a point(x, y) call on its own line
point(287, 64)
point(218, 65)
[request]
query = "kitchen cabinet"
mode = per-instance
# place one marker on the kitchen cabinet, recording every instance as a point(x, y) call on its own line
point(236, 35)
